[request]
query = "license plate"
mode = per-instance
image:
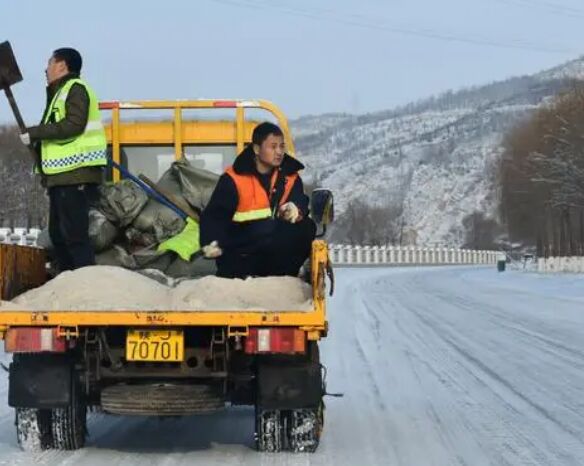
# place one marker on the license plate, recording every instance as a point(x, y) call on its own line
point(155, 345)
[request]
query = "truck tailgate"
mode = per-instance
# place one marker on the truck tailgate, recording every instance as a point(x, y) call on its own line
point(21, 268)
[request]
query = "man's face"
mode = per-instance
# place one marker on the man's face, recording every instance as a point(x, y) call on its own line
point(271, 152)
point(55, 70)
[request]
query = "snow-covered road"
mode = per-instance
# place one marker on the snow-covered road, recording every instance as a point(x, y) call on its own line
point(439, 366)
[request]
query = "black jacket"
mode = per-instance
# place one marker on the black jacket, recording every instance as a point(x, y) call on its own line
point(216, 218)
point(77, 108)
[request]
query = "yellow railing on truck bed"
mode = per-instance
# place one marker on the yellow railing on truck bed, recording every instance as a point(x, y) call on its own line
point(180, 131)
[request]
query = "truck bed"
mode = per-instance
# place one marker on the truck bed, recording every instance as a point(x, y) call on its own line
point(23, 268)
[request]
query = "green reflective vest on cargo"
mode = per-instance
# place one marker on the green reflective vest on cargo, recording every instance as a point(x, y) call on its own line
point(86, 150)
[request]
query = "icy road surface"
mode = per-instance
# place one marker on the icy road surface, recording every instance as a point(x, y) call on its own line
point(439, 366)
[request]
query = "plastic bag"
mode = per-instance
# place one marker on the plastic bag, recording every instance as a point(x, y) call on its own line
point(102, 232)
point(122, 202)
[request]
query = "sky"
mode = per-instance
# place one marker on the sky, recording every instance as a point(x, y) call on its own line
point(307, 56)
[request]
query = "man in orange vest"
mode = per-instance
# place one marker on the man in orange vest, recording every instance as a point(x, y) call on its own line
point(256, 222)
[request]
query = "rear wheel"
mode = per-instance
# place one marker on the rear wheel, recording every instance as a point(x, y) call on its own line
point(69, 425)
point(269, 430)
point(304, 429)
point(33, 429)
point(296, 430)
point(304, 426)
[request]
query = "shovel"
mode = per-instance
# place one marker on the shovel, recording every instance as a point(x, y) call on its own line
point(10, 75)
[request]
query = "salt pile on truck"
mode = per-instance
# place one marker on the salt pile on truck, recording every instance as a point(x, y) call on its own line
point(114, 288)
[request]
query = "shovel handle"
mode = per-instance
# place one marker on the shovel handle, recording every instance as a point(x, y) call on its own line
point(20, 122)
point(15, 109)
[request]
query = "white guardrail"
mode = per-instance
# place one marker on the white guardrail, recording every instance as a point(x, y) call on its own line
point(395, 255)
point(340, 254)
point(21, 236)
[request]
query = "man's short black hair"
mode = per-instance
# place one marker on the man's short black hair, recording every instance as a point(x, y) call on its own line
point(263, 130)
point(71, 57)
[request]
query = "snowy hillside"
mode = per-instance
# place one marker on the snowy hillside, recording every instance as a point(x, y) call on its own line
point(573, 69)
point(434, 159)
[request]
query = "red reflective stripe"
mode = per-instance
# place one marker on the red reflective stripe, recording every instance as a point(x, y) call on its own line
point(283, 340)
point(225, 103)
point(286, 340)
point(34, 340)
point(251, 342)
point(109, 105)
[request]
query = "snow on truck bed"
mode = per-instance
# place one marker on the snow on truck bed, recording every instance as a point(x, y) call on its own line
point(106, 288)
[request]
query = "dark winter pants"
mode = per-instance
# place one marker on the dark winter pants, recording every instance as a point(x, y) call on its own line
point(281, 254)
point(69, 225)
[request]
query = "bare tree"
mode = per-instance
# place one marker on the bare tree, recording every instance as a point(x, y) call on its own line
point(481, 232)
point(541, 176)
point(369, 225)
point(22, 199)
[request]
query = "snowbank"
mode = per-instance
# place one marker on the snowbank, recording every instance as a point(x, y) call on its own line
point(573, 264)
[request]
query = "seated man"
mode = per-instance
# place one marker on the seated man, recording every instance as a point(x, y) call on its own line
point(256, 222)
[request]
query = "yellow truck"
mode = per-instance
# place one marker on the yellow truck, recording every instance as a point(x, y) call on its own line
point(168, 363)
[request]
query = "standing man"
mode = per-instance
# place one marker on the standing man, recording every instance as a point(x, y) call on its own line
point(72, 145)
point(256, 222)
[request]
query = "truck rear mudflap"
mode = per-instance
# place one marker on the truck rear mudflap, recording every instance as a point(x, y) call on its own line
point(293, 385)
point(40, 381)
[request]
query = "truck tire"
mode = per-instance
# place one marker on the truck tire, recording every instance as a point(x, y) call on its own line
point(270, 430)
point(297, 430)
point(69, 425)
point(33, 429)
point(304, 428)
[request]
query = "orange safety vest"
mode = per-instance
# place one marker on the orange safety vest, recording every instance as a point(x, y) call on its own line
point(254, 203)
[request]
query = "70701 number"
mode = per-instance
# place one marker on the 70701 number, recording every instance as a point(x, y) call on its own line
point(154, 350)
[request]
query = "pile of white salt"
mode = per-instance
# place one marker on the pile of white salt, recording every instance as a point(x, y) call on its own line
point(261, 293)
point(9, 306)
point(114, 288)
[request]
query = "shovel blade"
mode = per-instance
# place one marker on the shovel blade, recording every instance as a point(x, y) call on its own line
point(9, 71)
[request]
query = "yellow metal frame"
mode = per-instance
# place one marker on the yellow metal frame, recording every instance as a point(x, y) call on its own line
point(179, 132)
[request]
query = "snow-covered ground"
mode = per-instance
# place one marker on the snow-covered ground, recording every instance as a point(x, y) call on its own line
point(439, 366)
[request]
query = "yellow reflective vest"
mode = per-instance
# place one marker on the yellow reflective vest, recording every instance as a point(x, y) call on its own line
point(86, 150)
